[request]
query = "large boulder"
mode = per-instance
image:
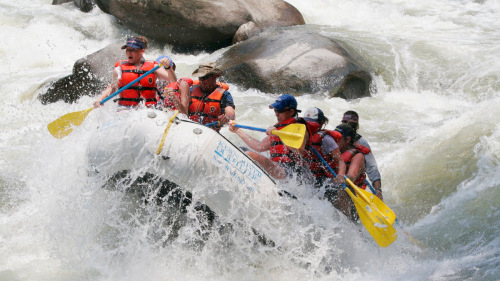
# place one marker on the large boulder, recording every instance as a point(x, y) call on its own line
point(285, 60)
point(191, 25)
point(297, 61)
point(90, 76)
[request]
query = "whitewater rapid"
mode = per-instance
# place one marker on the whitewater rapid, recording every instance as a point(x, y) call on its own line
point(432, 125)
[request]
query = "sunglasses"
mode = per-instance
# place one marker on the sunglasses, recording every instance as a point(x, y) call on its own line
point(351, 123)
point(281, 111)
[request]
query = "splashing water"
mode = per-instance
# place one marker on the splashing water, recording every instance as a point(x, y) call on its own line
point(432, 125)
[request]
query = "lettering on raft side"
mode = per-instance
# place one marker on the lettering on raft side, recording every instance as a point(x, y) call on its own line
point(238, 166)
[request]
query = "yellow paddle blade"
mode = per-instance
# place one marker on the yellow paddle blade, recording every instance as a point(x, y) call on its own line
point(292, 135)
point(64, 125)
point(379, 228)
point(375, 203)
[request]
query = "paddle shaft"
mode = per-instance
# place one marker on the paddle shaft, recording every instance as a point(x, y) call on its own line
point(327, 166)
point(212, 124)
point(130, 84)
point(250, 128)
point(335, 174)
point(264, 130)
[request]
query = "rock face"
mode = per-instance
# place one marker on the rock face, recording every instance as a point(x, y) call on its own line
point(191, 25)
point(90, 76)
point(296, 61)
point(59, 2)
point(103, 5)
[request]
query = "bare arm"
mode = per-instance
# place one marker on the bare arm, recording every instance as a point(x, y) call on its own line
point(340, 164)
point(185, 97)
point(183, 104)
point(108, 91)
point(252, 142)
point(166, 72)
point(357, 166)
point(229, 114)
point(377, 185)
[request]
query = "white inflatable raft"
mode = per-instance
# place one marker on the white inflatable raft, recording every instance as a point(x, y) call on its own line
point(192, 155)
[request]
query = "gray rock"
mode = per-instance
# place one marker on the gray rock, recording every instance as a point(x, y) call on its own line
point(90, 76)
point(59, 2)
point(297, 61)
point(191, 25)
point(246, 31)
point(84, 5)
point(284, 60)
point(103, 5)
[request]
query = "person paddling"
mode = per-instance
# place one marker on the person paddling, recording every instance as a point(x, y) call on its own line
point(352, 118)
point(128, 70)
point(354, 159)
point(284, 160)
point(210, 101)
point(324, 143)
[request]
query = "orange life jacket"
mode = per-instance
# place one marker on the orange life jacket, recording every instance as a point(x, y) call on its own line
point(167, 102)
point(205, 109)
point(145, 89)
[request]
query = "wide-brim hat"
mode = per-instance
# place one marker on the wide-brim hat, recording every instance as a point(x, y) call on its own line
point(207, 69)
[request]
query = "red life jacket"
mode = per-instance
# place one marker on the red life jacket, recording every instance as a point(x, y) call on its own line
point(347, 156)
point(315, 164)
point(278, 150)
point(349, 153)
point(337, 136)
point(175, 86)
point(206, 108)
point(145, 89)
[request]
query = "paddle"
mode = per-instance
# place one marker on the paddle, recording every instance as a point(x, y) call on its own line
point(397, 221)
point(292, 135)
point(372, 199)
point(212, 124)
point(375, 223)
point(64, 125)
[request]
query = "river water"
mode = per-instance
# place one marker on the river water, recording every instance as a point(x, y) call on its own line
point(433, 126)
